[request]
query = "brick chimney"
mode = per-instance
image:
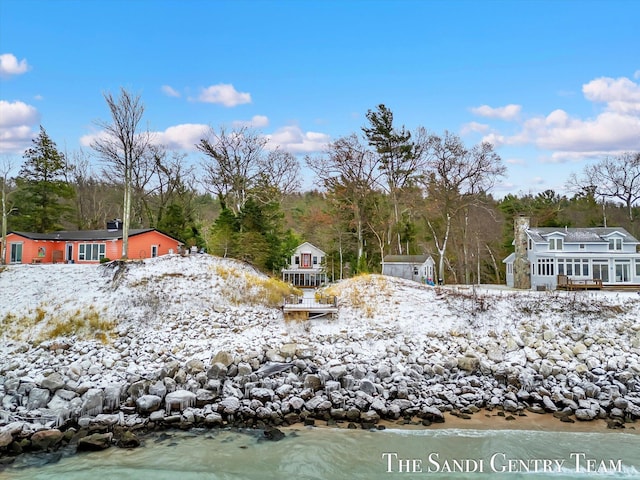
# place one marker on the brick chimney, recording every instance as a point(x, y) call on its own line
point(521, 267)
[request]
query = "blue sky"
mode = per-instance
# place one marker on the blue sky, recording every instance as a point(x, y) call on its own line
point(553, 84)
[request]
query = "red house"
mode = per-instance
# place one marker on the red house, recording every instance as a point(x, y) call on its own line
point(87, 246)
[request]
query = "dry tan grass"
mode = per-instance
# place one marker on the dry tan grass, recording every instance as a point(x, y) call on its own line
point(364, 292)
point(242, 287)
point(40, 325)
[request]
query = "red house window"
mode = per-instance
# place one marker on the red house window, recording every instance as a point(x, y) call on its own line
point(306, 260)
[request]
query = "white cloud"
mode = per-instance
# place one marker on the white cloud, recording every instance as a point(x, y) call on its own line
point(508, 112)
point(621, 94)
point(224, 94)
point(88, 139)
point(294, 140)
point(609, 131)
point(177, 137)
point(495, 139)
point(185, 137)
point(474, 127)
point(182, 137)
point(9, 65)
point(169, 91)
point(17, 113)
point(636, 75)
point(257, 121)
point(17, 122)
point(569, 137)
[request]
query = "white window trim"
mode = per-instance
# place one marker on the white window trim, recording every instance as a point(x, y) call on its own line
point(82, 252)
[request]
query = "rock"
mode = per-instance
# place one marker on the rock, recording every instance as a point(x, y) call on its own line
point(213, 420)
point(137, 389)
point(194, 366)
point(158, 389)
point(92, 401)
point(5, 438)
point(273, 434)
point(288, 350)
point(432, 414)
point(546, 368)
point(107, 420)
point(38, 398)
point(338, 371)
point(157, 416)
point(469, 364)
point(148, 403)
point(296, 403)
point(217, 370)
point(585, 414)
point(262, 394)
point(205, 397)
point(46, 439)
point(549, 405)
point(370, 416)
point(95, 442)
point(495, 354)
point(180, 399)
point(53, 382)
point(223, 357)
point(244, 369)
point(128, 439)
point(367, 386)
point(510, 406)
point(620, 402)
point(273, 355)
point(318, 403)
point(313, 381)
point(230, 405)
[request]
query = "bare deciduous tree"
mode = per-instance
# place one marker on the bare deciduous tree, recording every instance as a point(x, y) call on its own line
point(124, 147)
point(617, 178)
point(237, 168)
point(455, 177)
point(349, 173)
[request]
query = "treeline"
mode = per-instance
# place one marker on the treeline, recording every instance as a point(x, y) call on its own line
point(384, 190)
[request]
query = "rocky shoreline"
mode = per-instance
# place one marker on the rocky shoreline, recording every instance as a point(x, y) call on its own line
point(292, 385)
point(245, 367)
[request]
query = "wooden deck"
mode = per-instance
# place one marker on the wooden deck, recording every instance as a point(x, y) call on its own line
point(566, 283)
point(296, 307)
point(622, 287)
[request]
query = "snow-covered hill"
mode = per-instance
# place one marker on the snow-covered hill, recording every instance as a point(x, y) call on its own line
point(177, 302)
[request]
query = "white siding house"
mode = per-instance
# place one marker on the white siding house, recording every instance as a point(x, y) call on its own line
point(306, 267)
point(419, 268)
point(581, 254)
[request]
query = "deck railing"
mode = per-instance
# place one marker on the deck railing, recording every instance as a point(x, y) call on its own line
point(567, 283)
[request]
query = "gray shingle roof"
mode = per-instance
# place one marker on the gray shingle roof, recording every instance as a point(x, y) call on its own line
point(79, 235)
point(405, 258)
point(580, 235)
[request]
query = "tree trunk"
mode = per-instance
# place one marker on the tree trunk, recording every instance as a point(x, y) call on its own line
point(126, 220)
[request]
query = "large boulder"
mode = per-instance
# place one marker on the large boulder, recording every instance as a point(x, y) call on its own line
point(38, 398)
point(92, 401)
point(46, 439)
point(95, 442)
point(223, 357)
point(181, 399)
point(148, 403)
point(53, 382)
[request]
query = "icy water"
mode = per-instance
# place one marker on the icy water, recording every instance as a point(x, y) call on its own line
point(313, 453)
